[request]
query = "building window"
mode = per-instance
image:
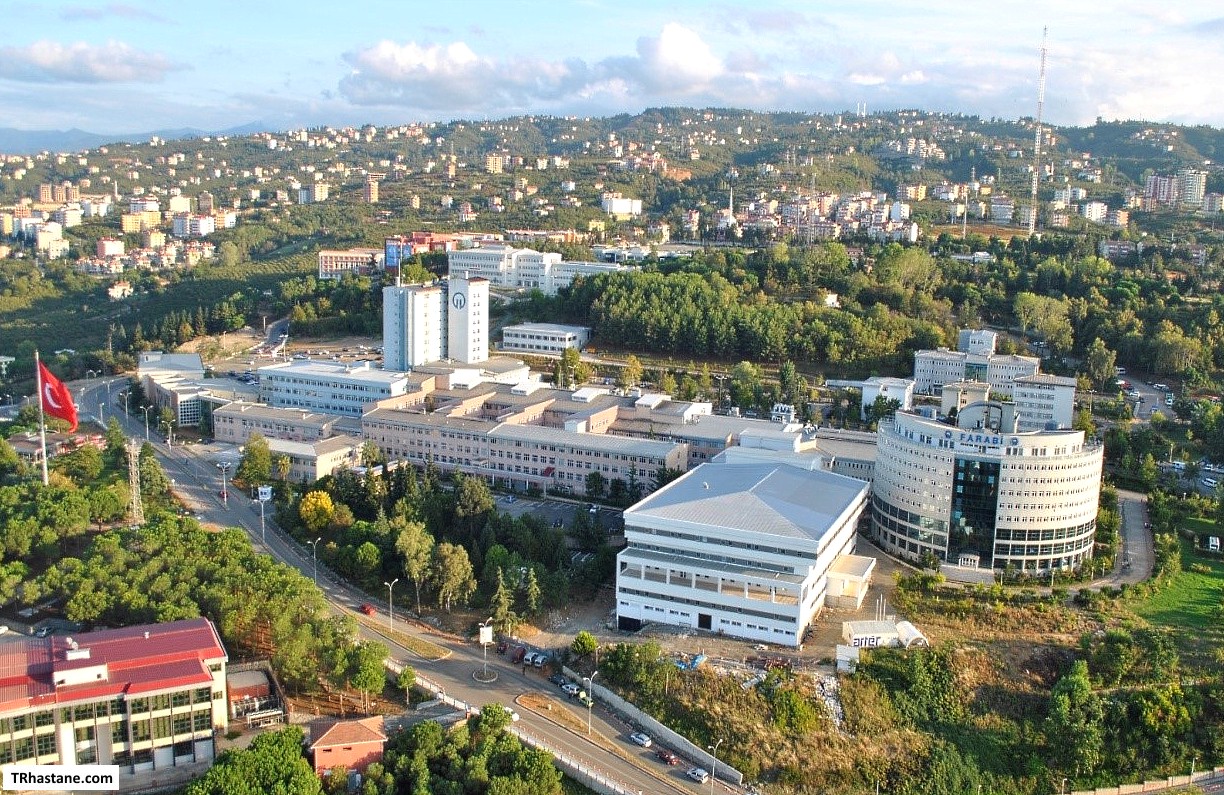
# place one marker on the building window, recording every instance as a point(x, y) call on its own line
point(119, 731)
point(202, 721)
point(46, 744)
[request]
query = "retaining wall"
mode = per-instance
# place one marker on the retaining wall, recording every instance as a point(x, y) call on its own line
point(658, 731)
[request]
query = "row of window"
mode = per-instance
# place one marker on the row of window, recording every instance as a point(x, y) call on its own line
point(785, 619)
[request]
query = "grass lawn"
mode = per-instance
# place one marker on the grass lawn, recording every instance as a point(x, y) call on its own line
point(1190, 605)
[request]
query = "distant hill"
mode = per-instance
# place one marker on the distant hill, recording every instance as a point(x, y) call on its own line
point(24, 142)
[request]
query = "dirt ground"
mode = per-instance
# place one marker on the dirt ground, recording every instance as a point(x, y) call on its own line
point(558, 628)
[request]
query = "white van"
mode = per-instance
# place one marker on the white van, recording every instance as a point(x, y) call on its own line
point(1210, 483)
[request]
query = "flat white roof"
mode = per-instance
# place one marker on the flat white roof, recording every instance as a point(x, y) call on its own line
point(331, 370)
point(548, 328)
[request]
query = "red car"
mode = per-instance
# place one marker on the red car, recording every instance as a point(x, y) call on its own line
point(369, 609)
point(667, 757)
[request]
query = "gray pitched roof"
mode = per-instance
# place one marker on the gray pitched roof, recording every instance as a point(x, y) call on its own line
point(773, 499)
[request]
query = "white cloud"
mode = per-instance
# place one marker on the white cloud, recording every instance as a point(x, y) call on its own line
point(80, 62)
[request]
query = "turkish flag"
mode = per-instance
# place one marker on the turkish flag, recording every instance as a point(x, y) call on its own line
point(56, 399)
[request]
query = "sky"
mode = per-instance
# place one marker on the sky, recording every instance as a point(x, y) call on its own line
point(143, 65)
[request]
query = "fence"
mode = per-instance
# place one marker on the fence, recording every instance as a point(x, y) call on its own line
point(1199, 778)
point(669, 738)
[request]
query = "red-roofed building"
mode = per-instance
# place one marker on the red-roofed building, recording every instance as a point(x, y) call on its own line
point(350, 744)
point(143, 698)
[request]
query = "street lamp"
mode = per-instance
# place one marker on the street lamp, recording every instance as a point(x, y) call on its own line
point(1063, 789)
point(391, 604)
point(224, 467)
point(714, 765)
point(126, 394)
point(102, 412)
point(146, 409)
point(314, 559)
point(590, 680)
point(169, 433)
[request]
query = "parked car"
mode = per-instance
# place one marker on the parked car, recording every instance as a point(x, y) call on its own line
point(519, 655)
point(369, 609)
point(529, 658)
point(697, 774)
point(502, 646)
point(570, 689)
point(641, 738)
point(667, 757)
point(540, 659)
point(585, 698)
point(557, 679)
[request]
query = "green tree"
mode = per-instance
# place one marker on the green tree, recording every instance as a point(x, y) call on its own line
point(630, 374)
point(1099, 365)
point(153, 481)
point(273, 763)
point(406, 680)
point(595, 484)
point(452, 574)
point(255, 468)
point(1074, 734)
point(415, 546)
point(473, 502)
point(367, 674)
point(584, 644)
point(531, 593)
point(500, 605)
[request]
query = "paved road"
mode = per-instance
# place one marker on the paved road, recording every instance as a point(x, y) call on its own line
point(198, 482)
point(1137, 543)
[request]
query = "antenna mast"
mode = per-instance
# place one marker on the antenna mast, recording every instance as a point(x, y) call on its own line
point(1037, 134)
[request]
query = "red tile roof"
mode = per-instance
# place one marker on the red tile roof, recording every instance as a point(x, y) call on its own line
point(131, 660)
point(347, 732)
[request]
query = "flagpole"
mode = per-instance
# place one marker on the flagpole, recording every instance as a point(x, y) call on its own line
point(42, 420)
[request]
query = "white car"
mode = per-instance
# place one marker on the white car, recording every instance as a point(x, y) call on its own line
point(570, 689)
point(697, 774)
point(641, 738)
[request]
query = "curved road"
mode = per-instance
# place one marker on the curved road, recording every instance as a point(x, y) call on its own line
point(198, 483)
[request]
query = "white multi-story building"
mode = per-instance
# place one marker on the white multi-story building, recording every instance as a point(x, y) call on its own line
point(524, 268)
point(188, 225)
point(1191, 186)
point(746, 550)
point(933, 369)
point(1044, 401)
point(425, 323)
point(1026, 500)
point(977, 340)
point(1094, 211)
point(544, 337)
point(466, 319)
point(413, 330)
point(328, 387)
point(898, 389)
